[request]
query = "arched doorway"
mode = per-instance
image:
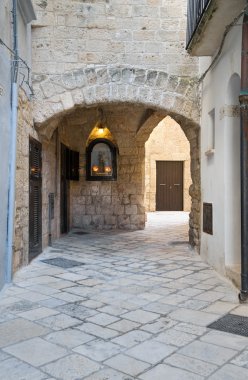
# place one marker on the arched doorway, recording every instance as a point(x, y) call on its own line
point(167, 168)
point(119, 203)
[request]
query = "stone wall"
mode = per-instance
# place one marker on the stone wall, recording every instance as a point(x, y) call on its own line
point(101, 204)
point(85, 52)
point(88, 54)
point(167, 142)
point(71, 34)
point(24, 129)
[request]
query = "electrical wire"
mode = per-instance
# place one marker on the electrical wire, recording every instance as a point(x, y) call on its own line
point(227, 30)
point(26, 67)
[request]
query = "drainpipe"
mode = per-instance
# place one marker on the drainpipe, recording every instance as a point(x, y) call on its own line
point(12, 153)
point(243, 295)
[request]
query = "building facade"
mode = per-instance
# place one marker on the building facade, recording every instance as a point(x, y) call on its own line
point(96, 64)
point(104, 75)
point(219, 46)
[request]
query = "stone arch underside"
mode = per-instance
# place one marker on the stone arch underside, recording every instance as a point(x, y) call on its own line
point(158, 92)
point(58, 94)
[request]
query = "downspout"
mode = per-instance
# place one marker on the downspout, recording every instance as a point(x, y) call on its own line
point(12, 153)
point(243, 295)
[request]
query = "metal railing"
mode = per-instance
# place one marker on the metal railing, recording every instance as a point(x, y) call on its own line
point(196, 9)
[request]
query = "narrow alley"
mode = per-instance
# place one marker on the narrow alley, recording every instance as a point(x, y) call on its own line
point(121, 305)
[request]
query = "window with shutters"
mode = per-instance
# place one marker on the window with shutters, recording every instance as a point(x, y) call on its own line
point(35, 198)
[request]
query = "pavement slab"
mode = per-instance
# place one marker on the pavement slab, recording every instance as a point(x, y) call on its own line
point(139, 308)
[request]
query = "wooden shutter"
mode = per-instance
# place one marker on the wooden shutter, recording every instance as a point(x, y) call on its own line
point(35, 198)
point(74, 165)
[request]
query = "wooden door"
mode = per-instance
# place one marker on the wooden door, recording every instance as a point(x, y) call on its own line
point(64, 189)
point(169, 186)
point(35, 198)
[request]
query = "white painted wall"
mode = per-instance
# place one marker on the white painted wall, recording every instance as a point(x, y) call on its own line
point(5, 35)
point(220, 171)
point(24, 42)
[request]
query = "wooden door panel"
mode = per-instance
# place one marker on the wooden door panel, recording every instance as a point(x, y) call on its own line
point(169, 186)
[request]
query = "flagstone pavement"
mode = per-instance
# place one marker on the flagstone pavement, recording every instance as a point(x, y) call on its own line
point(135, 306)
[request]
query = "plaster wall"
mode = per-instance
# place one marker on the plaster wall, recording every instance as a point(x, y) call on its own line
point(220, 169)
point(167, 142)
point(5, 114)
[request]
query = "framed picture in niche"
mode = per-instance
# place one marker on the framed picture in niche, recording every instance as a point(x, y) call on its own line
point(101, 157)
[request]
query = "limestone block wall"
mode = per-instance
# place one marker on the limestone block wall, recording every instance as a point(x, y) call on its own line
point(88, 53)
point(25, 129)
point(102, 204)
point(71, 34)
point(50, 184)
point(167, 142)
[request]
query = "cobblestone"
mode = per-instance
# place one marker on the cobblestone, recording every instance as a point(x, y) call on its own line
point(123, 314)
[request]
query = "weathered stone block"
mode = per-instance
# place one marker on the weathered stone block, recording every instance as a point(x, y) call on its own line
point(86, 221)
point(123, 221)
point(91, 76)
point(151, 78)
point(128, 75)
point(131, 210)
point(98, 220)
point(67, 100)
point(162, 80)
point(110, 220)
point(138, 220)
point(90, 210)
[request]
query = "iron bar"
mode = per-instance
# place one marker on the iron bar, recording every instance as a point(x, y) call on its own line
point(196, 9)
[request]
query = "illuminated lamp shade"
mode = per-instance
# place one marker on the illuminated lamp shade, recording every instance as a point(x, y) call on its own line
point(108, 169)
point(100, 128)
point(95, 168)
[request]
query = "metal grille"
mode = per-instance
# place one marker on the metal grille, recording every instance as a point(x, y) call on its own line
point(80, 233)
point(179, 242)
point(231, 323)
point(36, 213)
point(208, 218)
point(62, 263)
point(196, 9)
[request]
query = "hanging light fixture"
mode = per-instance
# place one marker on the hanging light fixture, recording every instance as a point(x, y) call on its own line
point(102, 121)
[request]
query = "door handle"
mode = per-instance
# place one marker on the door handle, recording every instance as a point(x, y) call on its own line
point(177, 184)
point(162, 184)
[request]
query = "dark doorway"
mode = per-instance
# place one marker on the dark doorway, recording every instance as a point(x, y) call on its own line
point(169, 186)
point(64, 189)
point(35, 198)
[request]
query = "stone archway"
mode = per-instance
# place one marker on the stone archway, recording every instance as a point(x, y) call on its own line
point(160, 95)
point(191, 131)
point(59, 93)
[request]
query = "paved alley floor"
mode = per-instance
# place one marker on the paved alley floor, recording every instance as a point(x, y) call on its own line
point(120, 306)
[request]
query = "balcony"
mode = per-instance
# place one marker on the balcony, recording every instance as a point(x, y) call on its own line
point(206, 24)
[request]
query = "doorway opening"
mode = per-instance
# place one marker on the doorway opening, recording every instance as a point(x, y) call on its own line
point(167, 168)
